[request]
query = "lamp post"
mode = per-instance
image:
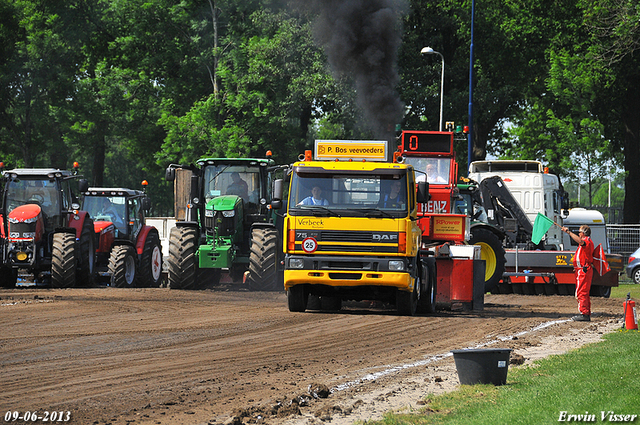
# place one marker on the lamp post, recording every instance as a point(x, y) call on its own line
point(470, 135)
point(430, 51)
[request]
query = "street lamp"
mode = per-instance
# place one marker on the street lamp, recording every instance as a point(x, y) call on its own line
point(430, 51)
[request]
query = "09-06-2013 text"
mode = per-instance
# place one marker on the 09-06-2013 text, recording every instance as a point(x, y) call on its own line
point(35, 416)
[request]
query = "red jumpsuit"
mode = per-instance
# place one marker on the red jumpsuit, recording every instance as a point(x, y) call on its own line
point(582, 258)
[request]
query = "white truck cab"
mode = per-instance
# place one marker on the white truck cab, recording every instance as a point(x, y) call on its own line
point(532, 186)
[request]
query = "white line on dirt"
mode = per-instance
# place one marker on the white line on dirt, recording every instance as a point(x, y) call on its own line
point(373, 376)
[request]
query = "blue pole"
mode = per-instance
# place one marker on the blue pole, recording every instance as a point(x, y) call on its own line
point(470, 135)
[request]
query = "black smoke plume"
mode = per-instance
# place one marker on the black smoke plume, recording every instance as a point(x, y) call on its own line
point(361, 39)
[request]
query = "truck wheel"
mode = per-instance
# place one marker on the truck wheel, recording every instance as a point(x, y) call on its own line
point(8, 277)
point(122, 266)
point(182, 262)
point(263, 260)
point(150, 270)
point(87, 254)
point(297, 297)
point(407, 302)
point(427, 301)
point(63, 260)
point(492, 252)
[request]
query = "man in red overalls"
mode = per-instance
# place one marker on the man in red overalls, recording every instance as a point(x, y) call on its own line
point(583, 269)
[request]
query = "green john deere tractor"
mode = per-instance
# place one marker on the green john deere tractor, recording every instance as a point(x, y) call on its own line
point(225, 221)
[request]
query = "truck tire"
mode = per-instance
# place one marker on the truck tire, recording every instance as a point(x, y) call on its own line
point(8, 277)
point(263, 258)
point(150, 270)
point(122, 266)
point(407, 302)
point(182, 262)
point(297, 297)
point(492, 252)
point(87, 254)
point(63, 260)
point(427, 301)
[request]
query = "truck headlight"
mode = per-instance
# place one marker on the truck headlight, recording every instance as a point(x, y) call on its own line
point(296, 263)
point(396, 265)
point(208, 213)
point(231, 213)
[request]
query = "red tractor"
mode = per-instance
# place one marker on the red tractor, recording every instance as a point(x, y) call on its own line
point(43, 232)
point(128, 251)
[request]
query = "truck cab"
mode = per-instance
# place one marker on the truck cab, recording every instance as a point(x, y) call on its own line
point(351, 230)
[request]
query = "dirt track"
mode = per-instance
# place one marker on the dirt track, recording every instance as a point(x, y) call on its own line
point(160, 356)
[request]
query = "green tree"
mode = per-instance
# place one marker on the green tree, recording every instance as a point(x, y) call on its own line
point(271, 84)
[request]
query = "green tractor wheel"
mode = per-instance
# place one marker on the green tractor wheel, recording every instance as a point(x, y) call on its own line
point(183, 261)
point(492, 252)
point(263, 259)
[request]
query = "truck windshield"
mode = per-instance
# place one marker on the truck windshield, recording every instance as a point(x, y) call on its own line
point(350, 194)
point(435, 170)
point(226, 179)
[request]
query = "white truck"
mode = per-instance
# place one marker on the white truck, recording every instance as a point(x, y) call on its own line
point(592, 218)
point(533, 187)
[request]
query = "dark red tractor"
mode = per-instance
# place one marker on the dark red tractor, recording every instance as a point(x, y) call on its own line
point(128, 252)
point(43, 231)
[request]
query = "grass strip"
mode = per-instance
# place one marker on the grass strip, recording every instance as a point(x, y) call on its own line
point(595, 379)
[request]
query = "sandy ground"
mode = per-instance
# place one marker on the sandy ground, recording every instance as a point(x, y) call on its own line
point(160, 356)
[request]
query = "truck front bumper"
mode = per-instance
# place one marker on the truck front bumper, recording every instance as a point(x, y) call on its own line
point(349, 272)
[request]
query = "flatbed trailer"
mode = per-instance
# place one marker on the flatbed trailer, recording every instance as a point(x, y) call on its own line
point(551, 273)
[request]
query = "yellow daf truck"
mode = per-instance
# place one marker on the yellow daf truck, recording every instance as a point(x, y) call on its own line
point(351, 230)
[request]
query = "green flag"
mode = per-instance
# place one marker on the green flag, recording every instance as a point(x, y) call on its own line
point(540, 227)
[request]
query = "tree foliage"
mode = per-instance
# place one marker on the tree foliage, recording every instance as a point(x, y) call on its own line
point(127, 87)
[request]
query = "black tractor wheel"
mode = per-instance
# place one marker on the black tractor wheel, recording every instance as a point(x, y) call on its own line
point(8, 277)
point(263, 260)
point(87, 254)
point(297, 297)
point(122, 266)
point(492, 252)
point(183, 262)
point(63, 260)
point(150, 270)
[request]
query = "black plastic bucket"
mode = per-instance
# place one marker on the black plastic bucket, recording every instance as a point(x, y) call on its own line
point(482, 366)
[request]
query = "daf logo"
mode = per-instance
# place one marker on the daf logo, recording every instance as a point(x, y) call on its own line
point(380, 237)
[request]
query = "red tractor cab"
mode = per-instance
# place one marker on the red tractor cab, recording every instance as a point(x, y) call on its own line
point(128, 252)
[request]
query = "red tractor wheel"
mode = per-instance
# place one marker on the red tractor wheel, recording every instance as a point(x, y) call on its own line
point(63, 260)
point(122, 266)
point(150, 271)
